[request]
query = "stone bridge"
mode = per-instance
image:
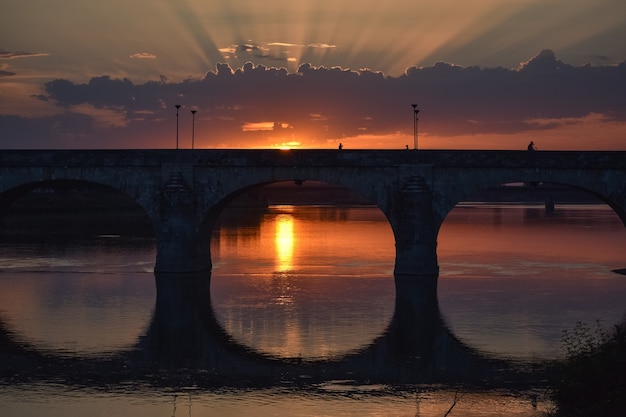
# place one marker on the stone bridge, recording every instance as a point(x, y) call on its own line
point(184, 191)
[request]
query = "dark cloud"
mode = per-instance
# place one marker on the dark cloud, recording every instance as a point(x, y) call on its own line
point(320, 103)
point(4, 54)
point(498, 100)
point(73, 130)
point(600, 58)
point(4, 73)
point(100, 91)
point(66, 130)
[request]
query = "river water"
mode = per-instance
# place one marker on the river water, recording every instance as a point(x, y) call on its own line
point(308, 295)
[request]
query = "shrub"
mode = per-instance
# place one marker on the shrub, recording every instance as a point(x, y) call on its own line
point(591, 381)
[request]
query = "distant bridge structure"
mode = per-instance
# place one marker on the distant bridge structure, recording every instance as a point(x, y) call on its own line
point(184, 191)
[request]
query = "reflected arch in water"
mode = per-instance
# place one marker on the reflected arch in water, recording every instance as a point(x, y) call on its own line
point(184, 343)
point(288, 267)
point(515, 273)
point(416, 345)
point(76, 314)
point(77, 260)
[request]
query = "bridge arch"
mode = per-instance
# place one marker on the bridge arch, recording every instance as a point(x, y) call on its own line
point(143, 200)
point(77, 187)
point(262, 198)
point(211, 212)
point(63, 210)
point(600, 185)
point(377, 186)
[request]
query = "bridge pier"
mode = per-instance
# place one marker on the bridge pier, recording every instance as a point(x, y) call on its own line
point(413, 222)
point(177, 246)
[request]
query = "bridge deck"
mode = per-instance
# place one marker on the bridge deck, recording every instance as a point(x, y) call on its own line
point(318, 157)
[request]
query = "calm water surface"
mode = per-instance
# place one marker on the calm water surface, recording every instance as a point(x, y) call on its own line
point(321, 283)
point(301, 284)
point(544, 272)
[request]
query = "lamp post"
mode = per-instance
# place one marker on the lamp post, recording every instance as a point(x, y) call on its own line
point(415, 111)
point(177, 107)
point(193, 126)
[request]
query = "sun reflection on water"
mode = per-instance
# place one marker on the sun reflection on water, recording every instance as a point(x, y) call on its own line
point(284, 240)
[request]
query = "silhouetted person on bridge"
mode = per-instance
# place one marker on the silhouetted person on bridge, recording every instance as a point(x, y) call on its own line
point(340, 146)
point(531, 146)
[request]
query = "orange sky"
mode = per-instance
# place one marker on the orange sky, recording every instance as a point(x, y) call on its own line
point(311, 74)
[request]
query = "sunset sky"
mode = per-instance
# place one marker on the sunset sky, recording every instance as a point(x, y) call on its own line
point(487, 74)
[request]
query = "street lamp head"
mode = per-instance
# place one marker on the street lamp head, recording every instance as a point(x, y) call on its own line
point(177, 106)
point(194, 111)
point(415, 111)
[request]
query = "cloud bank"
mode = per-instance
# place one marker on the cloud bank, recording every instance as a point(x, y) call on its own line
point(260, 106)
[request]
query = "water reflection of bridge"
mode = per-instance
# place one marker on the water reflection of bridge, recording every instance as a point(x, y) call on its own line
point(185, 345)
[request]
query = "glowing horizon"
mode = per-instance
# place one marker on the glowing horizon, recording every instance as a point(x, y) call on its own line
point(68, 80)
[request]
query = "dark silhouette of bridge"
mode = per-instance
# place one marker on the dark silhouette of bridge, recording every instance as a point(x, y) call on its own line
point(184, 191)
